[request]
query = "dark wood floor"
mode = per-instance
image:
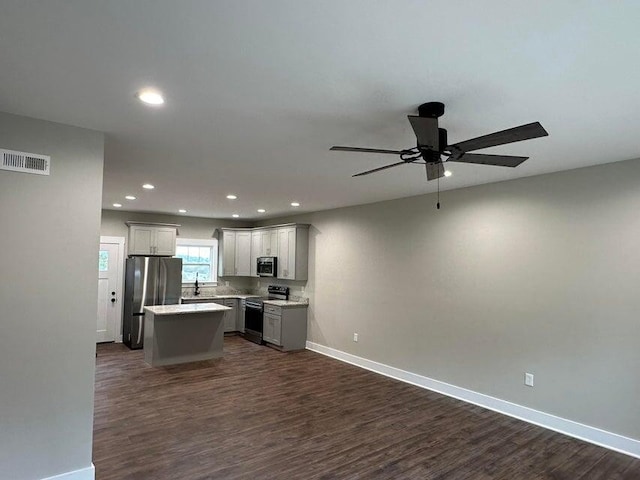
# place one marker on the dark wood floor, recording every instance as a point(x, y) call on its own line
point(261, 414)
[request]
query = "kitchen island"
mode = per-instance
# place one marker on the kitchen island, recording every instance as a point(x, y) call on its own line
point(183, 333)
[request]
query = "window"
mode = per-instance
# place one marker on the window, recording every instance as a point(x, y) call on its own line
point(199, 259)
point(103, 261)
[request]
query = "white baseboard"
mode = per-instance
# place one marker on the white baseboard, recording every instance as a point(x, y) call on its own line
point(612, 441)
point(88, 473)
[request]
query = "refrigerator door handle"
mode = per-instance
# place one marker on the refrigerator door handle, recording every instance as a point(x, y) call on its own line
point(140, 325)
point(162, 282)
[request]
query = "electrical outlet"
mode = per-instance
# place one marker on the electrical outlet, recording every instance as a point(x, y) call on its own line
point(355, 337)
point(528, 379)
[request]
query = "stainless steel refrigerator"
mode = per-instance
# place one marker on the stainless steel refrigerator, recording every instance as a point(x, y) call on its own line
point(148, 281)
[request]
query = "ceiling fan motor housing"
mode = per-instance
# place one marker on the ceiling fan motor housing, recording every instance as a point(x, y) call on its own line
point(431, 109)
point(429, 156)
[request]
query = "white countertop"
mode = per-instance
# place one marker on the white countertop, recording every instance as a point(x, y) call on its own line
point(286, 303)
point(277, 303)
point(179, 309)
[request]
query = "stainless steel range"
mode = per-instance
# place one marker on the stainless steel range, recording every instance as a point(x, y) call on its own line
point(254, 309)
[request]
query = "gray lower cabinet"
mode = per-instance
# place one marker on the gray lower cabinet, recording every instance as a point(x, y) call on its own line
point(241, 314)
point(232, 322)
point(198, 300)
point(230, 316)
point(285, 328)
point(272, 328)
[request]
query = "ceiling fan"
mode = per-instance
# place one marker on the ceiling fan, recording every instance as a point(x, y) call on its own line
point(432, 144)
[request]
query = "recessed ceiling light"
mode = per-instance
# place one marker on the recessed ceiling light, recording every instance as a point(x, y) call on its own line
point(130, 197)
point(182, 210)
point(261, 210)
point(235, 215)
point(148, 186)
point(117, 205)
point(231, 197)
point(447, 173)
point(295, 204)
point(150, 96)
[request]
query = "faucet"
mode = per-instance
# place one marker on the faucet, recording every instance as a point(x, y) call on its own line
point(196, 292)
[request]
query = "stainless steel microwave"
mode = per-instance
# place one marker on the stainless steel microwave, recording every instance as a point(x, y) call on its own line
point(267, 266)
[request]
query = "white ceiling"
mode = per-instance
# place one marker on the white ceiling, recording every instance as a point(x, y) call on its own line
point(258, 91)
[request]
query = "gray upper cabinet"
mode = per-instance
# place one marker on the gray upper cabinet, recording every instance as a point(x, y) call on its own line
point(152, 239)
point(234, 252)
point(269, 242)
point(239, 249)
point(227, 253)
point(243, 254)
point(256, 249)
point(293, 252)
point(264, 243)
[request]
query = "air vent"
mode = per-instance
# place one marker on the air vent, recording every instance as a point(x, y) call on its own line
point(25, 162)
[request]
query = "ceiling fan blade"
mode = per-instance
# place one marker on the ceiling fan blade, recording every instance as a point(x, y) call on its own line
point(485, 159)
point(516, 134)
point(426, 130)
point(378, 169)
point(365, 150)
point(435, 170)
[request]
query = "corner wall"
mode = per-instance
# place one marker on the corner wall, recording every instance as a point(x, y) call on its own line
point(538, 275)
point(48, 297)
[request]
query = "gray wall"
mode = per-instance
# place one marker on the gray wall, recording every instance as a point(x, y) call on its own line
point(48, 298)
point(113, 223)
point(537, 275)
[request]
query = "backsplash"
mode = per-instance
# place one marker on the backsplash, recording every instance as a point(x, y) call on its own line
point(259, 288)
point(211, 290)
point(296, 291)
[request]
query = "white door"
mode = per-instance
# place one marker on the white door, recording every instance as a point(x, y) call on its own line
point(108, 301)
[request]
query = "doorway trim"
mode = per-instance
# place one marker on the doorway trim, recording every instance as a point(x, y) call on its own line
point(120, 281)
